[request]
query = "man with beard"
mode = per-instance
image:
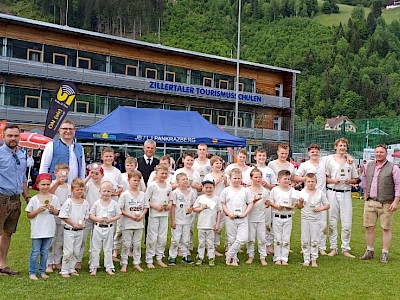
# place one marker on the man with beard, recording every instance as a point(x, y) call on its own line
point(12, 184)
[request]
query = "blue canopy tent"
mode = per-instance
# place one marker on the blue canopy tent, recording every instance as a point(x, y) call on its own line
point(128, 124)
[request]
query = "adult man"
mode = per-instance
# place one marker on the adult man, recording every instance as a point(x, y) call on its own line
point(202, 163)
point(12, 184)
point(146, 165)
point(381, 180)
point(147, 162)
point(64, 150)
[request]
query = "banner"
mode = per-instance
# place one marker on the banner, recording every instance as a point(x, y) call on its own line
point(59, 107)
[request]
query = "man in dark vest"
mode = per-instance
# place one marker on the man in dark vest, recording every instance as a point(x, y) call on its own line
point(64, 150)
point(146, 164)
point(381, 181)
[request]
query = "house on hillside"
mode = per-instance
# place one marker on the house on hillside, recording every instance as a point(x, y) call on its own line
point(392, 4)
point(338, 122)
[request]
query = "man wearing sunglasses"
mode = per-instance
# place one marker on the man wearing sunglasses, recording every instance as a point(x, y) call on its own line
point(12, 185)
point(64, 150)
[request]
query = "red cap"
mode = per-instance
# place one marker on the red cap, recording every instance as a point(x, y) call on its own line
point(43, 176)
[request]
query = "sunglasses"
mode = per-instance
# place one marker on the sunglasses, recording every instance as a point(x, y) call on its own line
point(16, 158)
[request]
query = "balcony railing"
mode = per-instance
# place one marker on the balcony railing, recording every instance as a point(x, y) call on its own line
point(14, 66)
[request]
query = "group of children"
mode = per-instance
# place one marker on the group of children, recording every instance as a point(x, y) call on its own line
point(251, 202)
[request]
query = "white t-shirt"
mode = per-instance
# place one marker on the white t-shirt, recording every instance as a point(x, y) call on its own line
point(257, 213)
point(310, 202)
point(114, 176)
point(92, 193)
point(109, 211)
point(319, 171)
point(182, 202)
point(277, 167)
point(202, 169)
point(134, 206)
point(245, 174)
point(267, 173)
point(207, 218)
point(284, 198)
point(44, 224)
point(195, 177)
point(125, 183)
point(158, 195)
point(236, 202)
point(343, 171)
point(62, 192)
point(74, 211)
point(220, 186)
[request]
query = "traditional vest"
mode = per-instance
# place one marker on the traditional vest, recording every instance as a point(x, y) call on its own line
point(61, 155)
point(385, 181)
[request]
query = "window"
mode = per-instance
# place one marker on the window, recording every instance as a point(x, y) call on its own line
point(223, 84)
point(82, 106)
point(208, 82)
point(169, 76)
point(207, 117)
point(240, 122)
point(131, 70)
point(241, 87)
point(84, 63)
point(32, 101)
point(60, 59)
point(277, 123)
point(35, 55)
point(181, 74)
point(278, 89)
point(222, 120)
point(151, 73)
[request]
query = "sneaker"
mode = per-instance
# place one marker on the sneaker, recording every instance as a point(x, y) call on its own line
point(171, 261)
point(187, 260)
point(369, 254)
point(199, 262)
point(384, 258)
point(211, 262)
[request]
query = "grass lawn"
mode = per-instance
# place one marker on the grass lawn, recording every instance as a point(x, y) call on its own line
point(335, 278)
point(345, 13)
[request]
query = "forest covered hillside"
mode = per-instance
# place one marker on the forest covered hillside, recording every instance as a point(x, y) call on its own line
point(351, 68)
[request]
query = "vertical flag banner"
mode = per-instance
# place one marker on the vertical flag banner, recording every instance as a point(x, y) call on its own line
point(59, 107)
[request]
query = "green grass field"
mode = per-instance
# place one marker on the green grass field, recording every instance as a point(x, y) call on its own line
point(345, 13)
point(335, 278)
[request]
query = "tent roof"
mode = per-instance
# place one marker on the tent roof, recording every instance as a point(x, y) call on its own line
point(128, 124)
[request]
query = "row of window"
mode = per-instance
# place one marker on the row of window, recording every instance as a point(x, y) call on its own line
point(94, 104)
point(93, 61)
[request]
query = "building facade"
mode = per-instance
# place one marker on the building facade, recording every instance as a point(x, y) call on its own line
point(110, 71)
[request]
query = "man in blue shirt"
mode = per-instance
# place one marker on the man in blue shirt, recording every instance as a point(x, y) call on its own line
point(12, 185)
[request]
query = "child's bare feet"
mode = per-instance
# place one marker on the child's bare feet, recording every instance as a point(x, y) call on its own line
point(94, 272)
point(137, 267)
point(65, 275)
point(306, 263)
point(332, 253)
point(161, 264)
point(314, 264)
point(270, 249)
point(218, 254)
point(123, 268)
point(110, 272)
point(284, 263)
point(49, 269)
point(249, 261)
point(57, 266)
point(323, 252)
point(232, 262)
point(348, 254)
point(74, 274)
point(150, 266)
point(263, 262)
point(33, 277)
point(278, 262)
point(44, 276)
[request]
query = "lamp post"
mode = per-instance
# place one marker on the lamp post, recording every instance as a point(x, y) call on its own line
point(237, 70)
point(66, 14)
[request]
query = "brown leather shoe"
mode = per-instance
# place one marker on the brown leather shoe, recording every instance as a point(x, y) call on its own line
point(8, 271)
point(369, 254)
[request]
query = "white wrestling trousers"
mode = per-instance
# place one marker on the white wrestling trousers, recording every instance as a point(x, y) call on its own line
point(156, 240)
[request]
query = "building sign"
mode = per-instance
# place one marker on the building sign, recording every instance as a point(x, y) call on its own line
point(203, 91)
